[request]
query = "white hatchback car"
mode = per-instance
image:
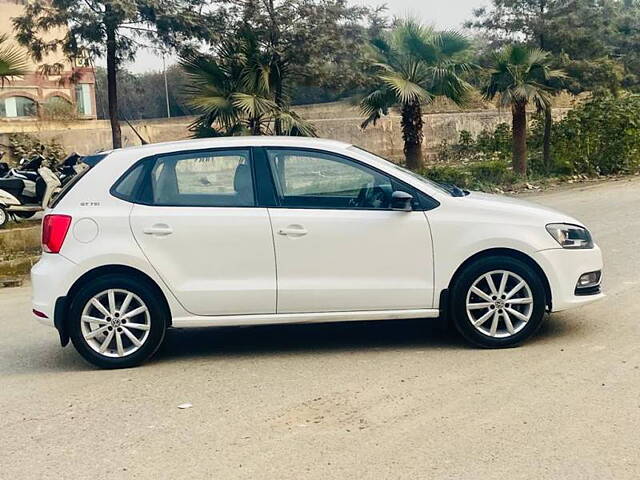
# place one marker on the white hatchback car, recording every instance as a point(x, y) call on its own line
point(248, 231)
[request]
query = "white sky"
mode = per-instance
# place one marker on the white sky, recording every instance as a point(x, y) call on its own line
point(443, 14)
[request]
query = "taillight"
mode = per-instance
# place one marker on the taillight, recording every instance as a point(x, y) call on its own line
point(54, 231)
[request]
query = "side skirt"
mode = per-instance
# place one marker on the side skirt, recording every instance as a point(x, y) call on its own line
point(272, 319)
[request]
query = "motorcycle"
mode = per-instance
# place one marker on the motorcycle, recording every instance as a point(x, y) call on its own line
point(26, 190)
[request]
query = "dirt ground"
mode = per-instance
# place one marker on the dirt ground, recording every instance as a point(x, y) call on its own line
point(395, 399)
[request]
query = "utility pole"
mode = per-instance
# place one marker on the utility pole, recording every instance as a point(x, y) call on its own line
point(166, 86)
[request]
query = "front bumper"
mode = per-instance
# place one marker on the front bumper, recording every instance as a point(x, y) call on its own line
point(563, 268)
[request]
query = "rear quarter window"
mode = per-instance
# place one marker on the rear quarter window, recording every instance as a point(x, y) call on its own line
point(126, 187)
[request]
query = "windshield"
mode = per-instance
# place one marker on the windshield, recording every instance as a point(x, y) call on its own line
point(448, 189)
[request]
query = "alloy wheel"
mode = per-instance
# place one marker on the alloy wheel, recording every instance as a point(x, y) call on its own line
point(499, 303)
point(115, 323)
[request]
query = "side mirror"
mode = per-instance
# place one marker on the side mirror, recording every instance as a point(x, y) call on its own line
point(401, 201)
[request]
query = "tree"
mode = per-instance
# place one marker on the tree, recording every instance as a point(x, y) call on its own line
point(306, 41)
point(626, 44)
point(509, 20)
point(13, 63)
point(111, 28)
point(236, 94)
point(412, 65)
point(139, 94)
point(588, 37)
point(519, 77)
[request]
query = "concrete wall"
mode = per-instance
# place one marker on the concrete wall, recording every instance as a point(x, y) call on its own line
point(340, 121)
point(19, 250)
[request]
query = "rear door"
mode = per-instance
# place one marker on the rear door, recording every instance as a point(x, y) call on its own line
point(198, 224)
point(339, 245)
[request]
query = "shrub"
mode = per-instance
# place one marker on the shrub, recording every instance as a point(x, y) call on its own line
point(598, 137)
point(601, 136)
point(454, 174)
point(497, 172)
point(494, 145)
point(23, 145)
point(57, 108)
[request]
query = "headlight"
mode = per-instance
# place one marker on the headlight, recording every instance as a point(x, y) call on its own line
point(570, 236)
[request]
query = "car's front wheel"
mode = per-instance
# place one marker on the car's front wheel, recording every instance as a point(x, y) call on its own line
point(498, 302)
point(117, 322)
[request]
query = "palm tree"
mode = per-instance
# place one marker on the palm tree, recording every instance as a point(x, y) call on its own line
point(519, 77)
point(13, 63)
point(234, 92)
point(412, 65)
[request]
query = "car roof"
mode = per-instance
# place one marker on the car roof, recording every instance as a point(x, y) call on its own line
point(222, 142)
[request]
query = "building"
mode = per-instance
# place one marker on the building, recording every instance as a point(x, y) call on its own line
point(66, 91)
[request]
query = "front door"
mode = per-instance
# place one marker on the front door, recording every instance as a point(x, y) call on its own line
point(200, 229)
point(339, 246)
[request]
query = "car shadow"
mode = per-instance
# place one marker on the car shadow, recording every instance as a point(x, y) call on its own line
point(298, 339)
point(330, 338)
point(306, 338)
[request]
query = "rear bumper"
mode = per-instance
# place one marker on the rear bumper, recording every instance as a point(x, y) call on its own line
point(563, 268)
point(51, 279)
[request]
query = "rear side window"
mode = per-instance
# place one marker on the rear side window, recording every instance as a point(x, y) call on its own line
point(217, 178)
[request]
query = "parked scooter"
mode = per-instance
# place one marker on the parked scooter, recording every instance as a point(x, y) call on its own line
point(26, 190)
point(4, 166)
point(70, 167)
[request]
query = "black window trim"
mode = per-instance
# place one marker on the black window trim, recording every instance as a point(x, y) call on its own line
point(419, 195)
point(264, 189)
point(151, 161)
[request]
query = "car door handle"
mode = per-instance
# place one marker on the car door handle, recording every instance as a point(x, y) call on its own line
point(159, 230)
point(293, 231)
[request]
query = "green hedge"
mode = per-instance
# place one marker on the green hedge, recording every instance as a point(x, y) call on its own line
point(599, 137)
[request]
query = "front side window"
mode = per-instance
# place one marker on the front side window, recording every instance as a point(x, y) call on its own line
point(312, 179)
point(201, 179)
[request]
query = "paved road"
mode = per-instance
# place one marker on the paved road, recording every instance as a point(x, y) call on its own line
point(380, 400)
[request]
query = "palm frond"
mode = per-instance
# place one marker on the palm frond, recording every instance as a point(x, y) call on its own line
point(452, 43)
point(252, 104)
point(233, 90)
point(13, 62)
point(520, 75)
point(376, 104)
point(405, 90)
point(294, 125)
point(414, 64)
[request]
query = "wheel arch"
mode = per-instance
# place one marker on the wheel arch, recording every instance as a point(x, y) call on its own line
point(62, 308)
point(506, 252)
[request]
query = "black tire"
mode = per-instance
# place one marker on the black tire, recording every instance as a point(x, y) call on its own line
point(465, 281)
point(159, 320)
point(4, 217)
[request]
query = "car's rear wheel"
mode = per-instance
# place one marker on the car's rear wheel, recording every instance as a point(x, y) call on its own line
point(498, 302)
point(117, 322)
